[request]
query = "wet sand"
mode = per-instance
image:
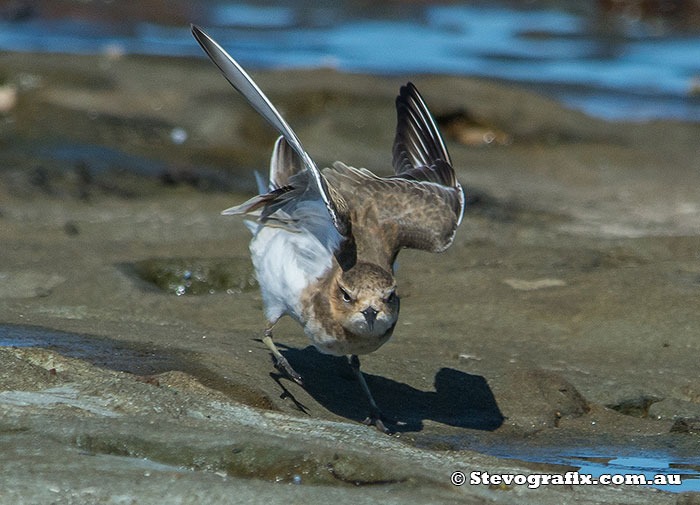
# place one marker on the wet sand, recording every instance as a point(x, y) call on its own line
point(564, 315)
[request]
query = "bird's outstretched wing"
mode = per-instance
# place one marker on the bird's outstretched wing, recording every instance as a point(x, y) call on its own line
point(240, 80)
point(422, 205)
point(393, 213)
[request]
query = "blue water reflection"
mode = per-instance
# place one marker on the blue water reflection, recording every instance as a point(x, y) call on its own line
point(625, 74)
point(611, 461)
point(649, 465)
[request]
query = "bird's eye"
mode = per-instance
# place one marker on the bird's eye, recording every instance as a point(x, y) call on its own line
point(346, 296)
point(391, 297)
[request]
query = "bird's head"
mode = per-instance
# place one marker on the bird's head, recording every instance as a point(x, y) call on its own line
point(365, 301)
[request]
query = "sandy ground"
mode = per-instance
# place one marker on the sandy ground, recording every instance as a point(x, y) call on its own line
point(565, 314)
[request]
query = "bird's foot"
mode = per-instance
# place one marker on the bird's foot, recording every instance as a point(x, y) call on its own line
point(283, 366)
point(379, 421)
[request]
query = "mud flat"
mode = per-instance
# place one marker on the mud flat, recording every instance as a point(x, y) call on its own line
point(563, 320)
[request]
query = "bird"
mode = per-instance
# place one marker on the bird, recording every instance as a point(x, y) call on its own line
point(325, 241)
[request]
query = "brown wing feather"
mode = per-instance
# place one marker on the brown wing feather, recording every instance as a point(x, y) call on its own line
point(418, 146)
point(389, 214)
point(419, 152)
point(421, 206)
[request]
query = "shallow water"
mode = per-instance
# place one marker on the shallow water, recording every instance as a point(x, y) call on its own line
point(615, 69)
point(597, 461)
point(594, 460)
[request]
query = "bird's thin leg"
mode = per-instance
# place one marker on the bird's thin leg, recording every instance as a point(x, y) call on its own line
point(281, 362)
point(376, 417)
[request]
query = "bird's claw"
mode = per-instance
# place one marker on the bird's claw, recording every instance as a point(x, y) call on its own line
point(377, 419)
point(283, 366)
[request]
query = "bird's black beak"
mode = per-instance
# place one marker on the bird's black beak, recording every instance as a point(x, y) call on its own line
point(370, 316)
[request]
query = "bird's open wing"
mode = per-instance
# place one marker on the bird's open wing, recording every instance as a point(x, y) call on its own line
point(240, 80)
point(422, 205)
point(400, 213)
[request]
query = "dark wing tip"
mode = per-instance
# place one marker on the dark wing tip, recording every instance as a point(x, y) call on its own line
point(407, 92)
point(418, 146)
point(407, 89)
point(197, 32)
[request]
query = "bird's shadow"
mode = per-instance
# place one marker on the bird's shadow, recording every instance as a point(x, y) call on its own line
point(459, 399)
